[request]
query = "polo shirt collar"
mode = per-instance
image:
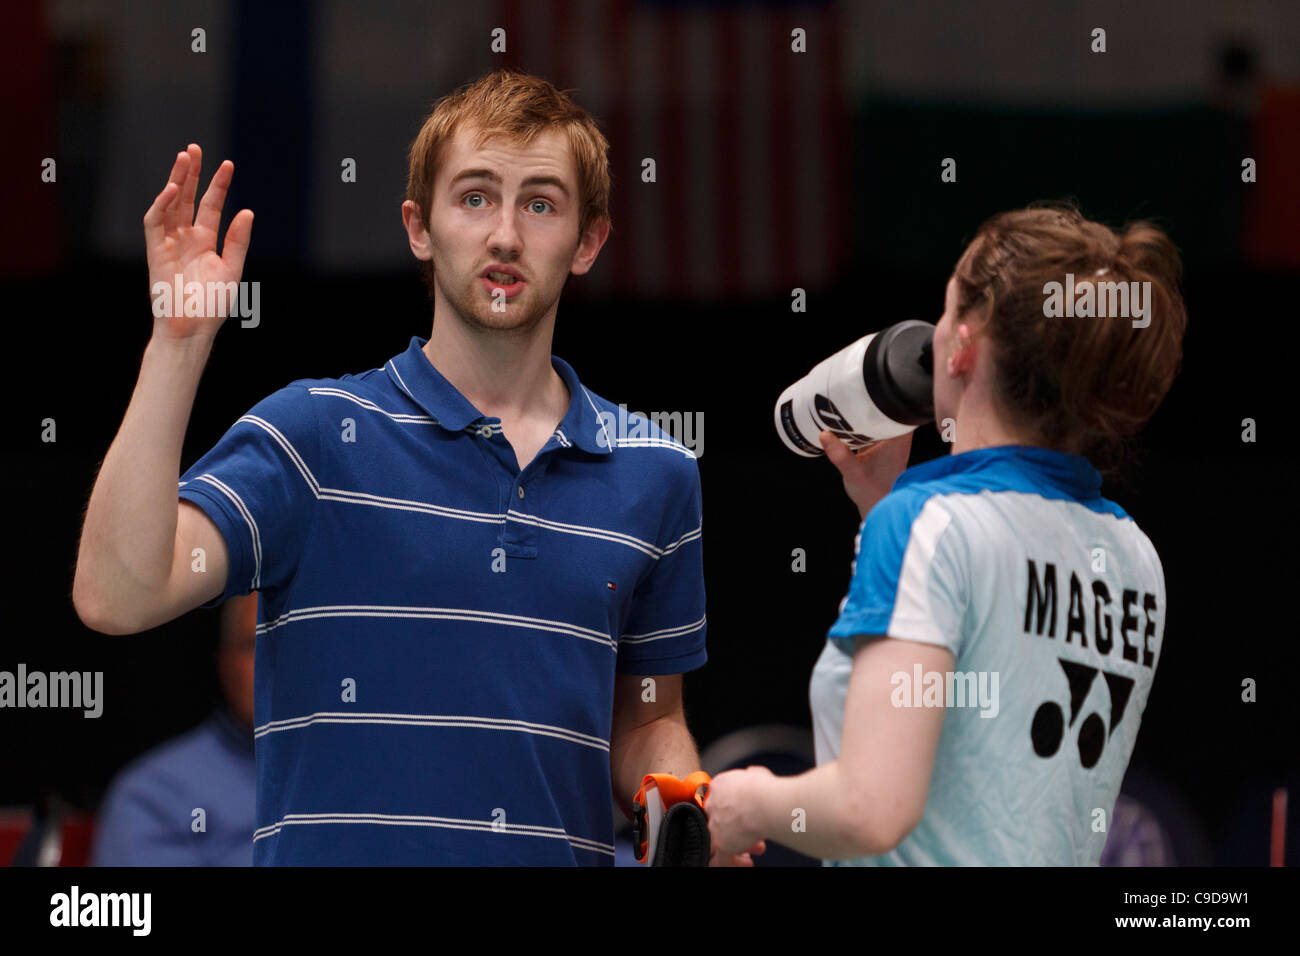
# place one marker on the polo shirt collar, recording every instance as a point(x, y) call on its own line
point(1073, 474)
point(414, 374)
point(582, 423)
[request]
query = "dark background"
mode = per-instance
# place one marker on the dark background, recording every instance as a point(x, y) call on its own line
point(1111, 133)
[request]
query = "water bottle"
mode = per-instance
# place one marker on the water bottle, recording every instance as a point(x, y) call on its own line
point(879, 387)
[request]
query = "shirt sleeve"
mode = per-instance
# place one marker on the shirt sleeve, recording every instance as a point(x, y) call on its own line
point(259, 486)
point(664, 632)
point(910, 576)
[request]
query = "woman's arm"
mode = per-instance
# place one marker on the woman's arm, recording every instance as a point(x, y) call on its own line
point(873, 796)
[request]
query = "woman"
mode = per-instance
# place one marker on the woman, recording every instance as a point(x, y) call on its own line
point(979, 696)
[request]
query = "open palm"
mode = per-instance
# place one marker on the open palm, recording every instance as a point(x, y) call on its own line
point(179, 243)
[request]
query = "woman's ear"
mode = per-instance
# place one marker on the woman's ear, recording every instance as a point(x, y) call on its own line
point(959, 360)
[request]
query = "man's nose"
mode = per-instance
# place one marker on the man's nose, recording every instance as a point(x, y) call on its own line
point(505, 239)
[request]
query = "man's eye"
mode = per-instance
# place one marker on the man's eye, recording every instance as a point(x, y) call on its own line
point(473, 196)
point(542, 201)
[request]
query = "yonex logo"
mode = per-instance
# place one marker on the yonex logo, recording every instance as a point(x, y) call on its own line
point(1048, 728)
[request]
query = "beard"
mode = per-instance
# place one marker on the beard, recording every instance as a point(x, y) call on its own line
point(521, 315)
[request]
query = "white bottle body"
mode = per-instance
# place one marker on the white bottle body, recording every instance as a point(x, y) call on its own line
point(834, 396)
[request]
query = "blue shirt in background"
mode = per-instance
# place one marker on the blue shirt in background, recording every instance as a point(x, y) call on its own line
point(147, 816)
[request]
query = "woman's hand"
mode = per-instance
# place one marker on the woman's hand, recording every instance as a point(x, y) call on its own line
point(732, 805)
point(871, 472)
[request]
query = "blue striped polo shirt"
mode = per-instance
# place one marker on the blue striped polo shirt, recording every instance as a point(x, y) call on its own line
point(439, 632)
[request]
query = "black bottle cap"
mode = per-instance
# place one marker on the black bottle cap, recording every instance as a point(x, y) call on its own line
point(898, 372)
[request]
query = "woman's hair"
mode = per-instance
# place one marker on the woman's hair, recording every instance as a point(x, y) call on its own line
point(518, 107)
point(1084, 385)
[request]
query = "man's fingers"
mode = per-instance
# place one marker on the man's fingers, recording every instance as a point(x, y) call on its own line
point(238, 235)
point(191, 187)
point(210, 208)
point(171, 212)
point(154, 230)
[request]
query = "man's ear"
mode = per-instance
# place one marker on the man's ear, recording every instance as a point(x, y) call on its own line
point(417, 235)
point(585, 256)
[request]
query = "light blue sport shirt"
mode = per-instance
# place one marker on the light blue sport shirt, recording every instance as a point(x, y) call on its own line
point(1052, 602)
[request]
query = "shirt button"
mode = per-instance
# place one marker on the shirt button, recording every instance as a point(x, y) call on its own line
point(485, 431)
point(521, 491)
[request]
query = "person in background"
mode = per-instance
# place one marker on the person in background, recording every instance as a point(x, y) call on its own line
point(190, 800)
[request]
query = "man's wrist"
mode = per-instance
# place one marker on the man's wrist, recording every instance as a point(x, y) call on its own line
point(187, 349)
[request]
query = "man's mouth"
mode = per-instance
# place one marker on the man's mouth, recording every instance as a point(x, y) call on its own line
point(502, 283)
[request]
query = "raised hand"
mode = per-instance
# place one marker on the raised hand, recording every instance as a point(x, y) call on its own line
point(179, 243)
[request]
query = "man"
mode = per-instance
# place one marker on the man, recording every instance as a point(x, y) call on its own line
point(476, 601)
point(150, 815)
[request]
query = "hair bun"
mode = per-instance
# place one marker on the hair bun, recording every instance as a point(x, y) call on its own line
point(1085, 383)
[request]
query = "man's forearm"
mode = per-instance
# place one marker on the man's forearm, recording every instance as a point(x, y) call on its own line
point(664, 745)
point(129, 534)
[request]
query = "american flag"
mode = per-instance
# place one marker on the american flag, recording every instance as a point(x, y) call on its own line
point(750, 139)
